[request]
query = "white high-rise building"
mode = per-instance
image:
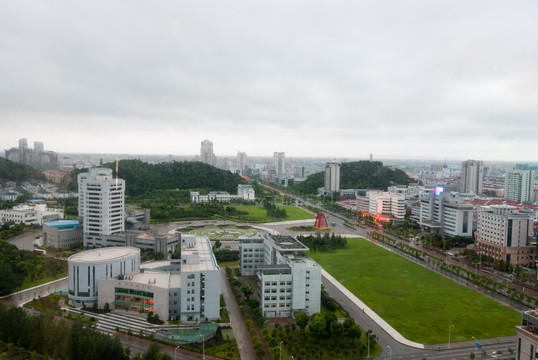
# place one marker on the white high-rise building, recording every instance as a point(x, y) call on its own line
point(519, 185)
point(332, 176)
point(206, 153)
point(101, 203)
point(279, 161)
point(241, 162)
point(472, 176)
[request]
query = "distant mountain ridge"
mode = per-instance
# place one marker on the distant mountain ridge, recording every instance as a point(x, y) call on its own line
point(358, 175)
point(14, 171)
point(141, 177)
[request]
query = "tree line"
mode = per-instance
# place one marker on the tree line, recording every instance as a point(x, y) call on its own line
point(324, 243)
point(357, 175)
point(143, 178)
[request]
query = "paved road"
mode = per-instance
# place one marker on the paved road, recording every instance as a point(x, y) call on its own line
point(25, 241)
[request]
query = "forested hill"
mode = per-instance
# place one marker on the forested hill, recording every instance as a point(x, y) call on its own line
point(13, 171)
point(358, 175)
point(141, 177)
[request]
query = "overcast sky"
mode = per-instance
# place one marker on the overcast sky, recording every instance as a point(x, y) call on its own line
point(398, 79)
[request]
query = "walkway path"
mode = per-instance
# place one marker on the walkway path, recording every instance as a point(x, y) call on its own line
point(242, 336)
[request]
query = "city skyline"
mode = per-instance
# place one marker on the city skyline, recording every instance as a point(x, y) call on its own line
point(449, 80)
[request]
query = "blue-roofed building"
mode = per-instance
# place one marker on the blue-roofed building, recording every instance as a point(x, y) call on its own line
point(62, 234)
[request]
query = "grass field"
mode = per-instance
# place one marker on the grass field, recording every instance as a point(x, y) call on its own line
point(418, 303)
point(293, 212)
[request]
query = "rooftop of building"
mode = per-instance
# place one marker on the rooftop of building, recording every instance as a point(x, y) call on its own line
point(287, 243)
point(104, 254)
point(62, 224)
point(160, 279)
point(206, 259)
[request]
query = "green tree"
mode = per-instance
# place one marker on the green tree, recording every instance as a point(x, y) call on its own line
point(247, 291)
point(301, 319)
point(318, 325)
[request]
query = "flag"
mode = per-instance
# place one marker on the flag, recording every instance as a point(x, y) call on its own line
point(478, 346)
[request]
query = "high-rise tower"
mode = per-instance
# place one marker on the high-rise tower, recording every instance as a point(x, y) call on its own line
point(279, 161)
point(241, 162)
point(101, 204)
point(332, 176)
point(206, 153)
point(472, 176)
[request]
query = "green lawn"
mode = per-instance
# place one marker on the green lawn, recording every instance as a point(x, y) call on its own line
point(418, 303)
point(293, 212)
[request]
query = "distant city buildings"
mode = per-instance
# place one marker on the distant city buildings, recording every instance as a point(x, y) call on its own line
point(472, 176)
point(289, 281)
point(207, 156)
point(332, 177)
point(36, 157)
point(505, 233)
point(519, 185)
point(279, 162)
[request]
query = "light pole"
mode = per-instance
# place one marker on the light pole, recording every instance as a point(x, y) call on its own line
point(280, 352)
point(475, 342)
point(390, 354)
point(369, 335)
point(450, 327)
point(203, 347)
point(175, 354)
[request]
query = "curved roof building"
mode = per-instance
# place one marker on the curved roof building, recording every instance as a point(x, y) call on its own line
point(87, 267)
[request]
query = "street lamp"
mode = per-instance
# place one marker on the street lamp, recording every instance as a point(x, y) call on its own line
point(280, 352)
point(175, 354)
point(390, 354)
point(369, 335)
point(475, 342)
point(450, 327)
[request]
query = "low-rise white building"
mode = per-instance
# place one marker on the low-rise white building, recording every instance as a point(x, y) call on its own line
point(30, 214)
point(244, 192)
point(289, 280)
